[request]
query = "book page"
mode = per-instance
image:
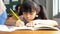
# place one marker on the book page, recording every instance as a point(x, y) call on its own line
point(37, 27)
point(46, 22)
point(3, 28)
point(45, 27)
point(6, 28)
point(13, 28)
point(24, 28)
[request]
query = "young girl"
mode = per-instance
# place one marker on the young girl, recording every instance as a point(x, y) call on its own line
point(31, 11)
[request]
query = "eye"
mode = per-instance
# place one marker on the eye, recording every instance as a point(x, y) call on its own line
point(24, 13)
point(31, 13)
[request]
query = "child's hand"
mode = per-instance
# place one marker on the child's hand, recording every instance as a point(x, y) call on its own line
point(31, 24)
point(19, 23)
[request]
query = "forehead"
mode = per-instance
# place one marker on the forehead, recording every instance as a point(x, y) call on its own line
point(30, 11)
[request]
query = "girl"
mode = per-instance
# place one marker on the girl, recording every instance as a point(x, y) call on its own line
point(31, 11)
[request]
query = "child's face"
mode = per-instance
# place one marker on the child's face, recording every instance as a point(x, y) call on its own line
point(29, 16)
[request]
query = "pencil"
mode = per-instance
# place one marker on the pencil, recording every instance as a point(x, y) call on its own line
point(15, 14)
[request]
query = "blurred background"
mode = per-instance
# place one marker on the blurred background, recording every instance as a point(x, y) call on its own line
point(52, 7)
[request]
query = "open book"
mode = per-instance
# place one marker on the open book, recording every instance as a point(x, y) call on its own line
point(37, 27)
point(41, 25)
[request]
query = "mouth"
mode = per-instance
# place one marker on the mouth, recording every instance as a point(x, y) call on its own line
point(27, 18)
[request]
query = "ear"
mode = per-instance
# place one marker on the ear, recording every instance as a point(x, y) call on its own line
point(36, 15)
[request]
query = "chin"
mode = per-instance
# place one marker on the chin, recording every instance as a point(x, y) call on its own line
point(28, 20)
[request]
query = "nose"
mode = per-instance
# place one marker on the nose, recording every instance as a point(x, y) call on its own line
point(28, 15)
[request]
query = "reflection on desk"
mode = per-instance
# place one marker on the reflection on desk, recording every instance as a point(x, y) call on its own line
point(32, 32)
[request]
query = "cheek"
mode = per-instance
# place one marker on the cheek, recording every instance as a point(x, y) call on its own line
point(33, 16)
point(24, 15)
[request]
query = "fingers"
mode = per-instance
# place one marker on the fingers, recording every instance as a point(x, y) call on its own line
point(19, 23)
point(31, 24)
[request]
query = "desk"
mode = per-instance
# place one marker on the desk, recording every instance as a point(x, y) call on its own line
point(32, 32)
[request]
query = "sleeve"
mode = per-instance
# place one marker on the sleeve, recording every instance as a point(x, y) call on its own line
point(3, 18)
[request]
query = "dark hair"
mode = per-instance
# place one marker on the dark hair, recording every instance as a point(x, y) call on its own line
point(41, 14)
point(28, 5)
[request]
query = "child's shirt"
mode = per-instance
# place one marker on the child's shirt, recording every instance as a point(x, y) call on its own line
point(21, 17)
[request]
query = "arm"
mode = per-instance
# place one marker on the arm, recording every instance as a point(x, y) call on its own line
point(3, 18)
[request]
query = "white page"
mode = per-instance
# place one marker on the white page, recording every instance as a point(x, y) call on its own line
point(3, 28)
point(46, 22)
point(24, 27)
point(6, 28)
point(45, 27)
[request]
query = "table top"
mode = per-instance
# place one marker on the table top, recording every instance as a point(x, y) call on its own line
point(32, 32)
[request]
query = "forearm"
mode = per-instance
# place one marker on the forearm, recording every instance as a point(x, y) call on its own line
point(3, 18)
